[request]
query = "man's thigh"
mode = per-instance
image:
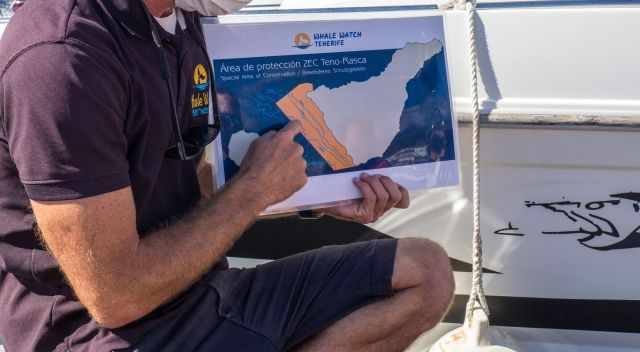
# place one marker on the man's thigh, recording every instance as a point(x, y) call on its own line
point(289, 300)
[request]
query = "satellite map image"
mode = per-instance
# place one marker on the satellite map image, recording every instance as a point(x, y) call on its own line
point(358, 110)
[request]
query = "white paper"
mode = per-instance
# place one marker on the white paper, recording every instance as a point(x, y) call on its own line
point(372, 95)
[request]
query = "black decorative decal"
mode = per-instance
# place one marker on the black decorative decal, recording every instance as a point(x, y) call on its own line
point(556, 313)
point(591, 224)
point(279, 238)
point(509, 231)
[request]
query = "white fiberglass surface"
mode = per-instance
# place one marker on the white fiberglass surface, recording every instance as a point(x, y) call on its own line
point(549, 60)
point(534, 184)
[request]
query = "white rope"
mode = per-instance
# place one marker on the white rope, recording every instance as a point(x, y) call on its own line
point(477, 298)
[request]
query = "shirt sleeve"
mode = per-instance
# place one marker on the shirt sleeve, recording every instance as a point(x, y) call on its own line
point(65, 110)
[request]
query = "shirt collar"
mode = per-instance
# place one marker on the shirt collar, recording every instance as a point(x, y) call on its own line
point(131, 15)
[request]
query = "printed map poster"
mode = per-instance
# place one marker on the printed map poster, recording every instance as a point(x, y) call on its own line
point(371, 95)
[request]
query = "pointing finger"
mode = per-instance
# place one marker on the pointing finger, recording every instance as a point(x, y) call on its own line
point(265, 137)
point(291, 130)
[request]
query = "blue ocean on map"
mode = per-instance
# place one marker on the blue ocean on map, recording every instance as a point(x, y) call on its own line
point(423, 130)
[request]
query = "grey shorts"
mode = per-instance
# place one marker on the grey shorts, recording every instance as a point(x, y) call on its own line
point(276, 306)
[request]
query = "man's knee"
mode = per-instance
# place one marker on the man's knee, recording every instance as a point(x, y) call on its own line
point(425, 266)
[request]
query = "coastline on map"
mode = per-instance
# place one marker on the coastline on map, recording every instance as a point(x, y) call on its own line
point(360, 110)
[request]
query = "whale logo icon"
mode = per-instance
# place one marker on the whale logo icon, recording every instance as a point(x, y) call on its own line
point(302, 41)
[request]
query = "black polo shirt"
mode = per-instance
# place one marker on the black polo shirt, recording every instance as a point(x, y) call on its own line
point(85, 111)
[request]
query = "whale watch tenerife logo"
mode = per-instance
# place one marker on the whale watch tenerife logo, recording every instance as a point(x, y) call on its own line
point(200, 94)
point(302, 41)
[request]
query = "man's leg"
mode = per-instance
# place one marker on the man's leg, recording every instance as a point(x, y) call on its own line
point(423, 285)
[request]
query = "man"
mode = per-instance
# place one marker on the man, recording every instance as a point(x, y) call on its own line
point(89, 191)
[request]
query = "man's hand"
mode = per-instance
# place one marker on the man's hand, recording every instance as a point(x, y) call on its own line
point(274, 167)
point(379, 193)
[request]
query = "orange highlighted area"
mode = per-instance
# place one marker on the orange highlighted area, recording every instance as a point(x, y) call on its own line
point(296, 105)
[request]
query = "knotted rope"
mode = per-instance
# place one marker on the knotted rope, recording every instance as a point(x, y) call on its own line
point(477, 299)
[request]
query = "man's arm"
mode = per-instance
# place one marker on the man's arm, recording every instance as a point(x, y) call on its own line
point(120, 277)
